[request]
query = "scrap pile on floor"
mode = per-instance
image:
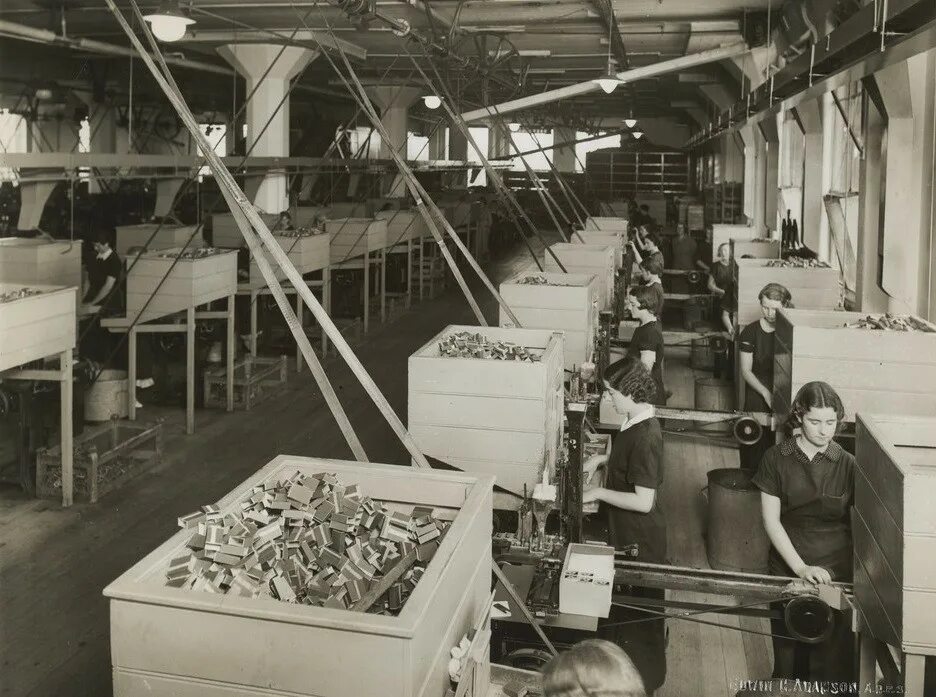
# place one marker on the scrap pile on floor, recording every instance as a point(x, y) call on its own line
point(541, 281)
point(889, 322)
point(190, 254)
point(310, 540)
point(797, 263)
point(18, 294)
point(468, 345)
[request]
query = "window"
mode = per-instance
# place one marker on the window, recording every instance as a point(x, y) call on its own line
point(480, 136)
point(364, 143)
point(216, 133)
point(526, 141)
point(12, 139)
point(582, 149)
point(417, 148)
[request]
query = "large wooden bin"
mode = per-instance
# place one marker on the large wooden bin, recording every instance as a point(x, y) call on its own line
point(348, 209)
point(490, 416)
point(166, 237)
point(817, 288)
point(403, 225)
point(895, 531)
point(355, 237)
point(569, 303)
point(191, 282)
point(225, 233)
point(604, 236)
point(723, 233)
point(588, 259)
point(36, 262)
point(755, 249)
point(307, 253)
point(873, 371)
point(36, 326)
point(169, 642)
point(597, 222)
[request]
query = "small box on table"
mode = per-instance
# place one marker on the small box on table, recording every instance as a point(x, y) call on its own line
point(225, 233)
point(755, 249)
point(587, 580)
point(604, 234)
point(403, 225)
point(812, 288)
point(723, 233)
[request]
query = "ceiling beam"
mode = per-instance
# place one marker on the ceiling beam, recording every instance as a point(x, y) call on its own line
point(300, 38)
point(642, 73)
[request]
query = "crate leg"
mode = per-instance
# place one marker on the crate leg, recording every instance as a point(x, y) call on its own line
point(383, 285)
point(366, 291)
point(913, 673)
point(326, 302)
point(299, 312)
point(230, 354)
point(93, 474)
point(131, 373)
point(252, 342)
point(190, 371)
point(68, 448)
point(422, 271)
point(409, 273)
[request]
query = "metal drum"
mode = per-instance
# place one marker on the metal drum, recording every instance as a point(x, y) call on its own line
point(735, 535)
point(712, 394)
point(702, 356)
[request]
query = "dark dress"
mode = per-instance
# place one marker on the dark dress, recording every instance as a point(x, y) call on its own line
point(96, 343)
point(756, 341)
point(815, 498)
point(657, 288)
point(637, 460)
point(723, 278)
point(649, 337)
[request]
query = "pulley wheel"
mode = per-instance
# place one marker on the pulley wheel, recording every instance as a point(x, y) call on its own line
point(747, 430)
point(695, 277)
point(808, 619)
point(719, 344)
point(528, 659)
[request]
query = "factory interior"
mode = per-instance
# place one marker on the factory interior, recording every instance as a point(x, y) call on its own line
point(467, 348)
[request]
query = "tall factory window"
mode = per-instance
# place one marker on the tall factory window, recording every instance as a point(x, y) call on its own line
point(358, 137)
point(526, 141)
point(12, 139)
point(582, 149)
point(216, 133)
point(417, 148)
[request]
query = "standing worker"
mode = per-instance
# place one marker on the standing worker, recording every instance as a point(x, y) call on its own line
point(647, 272)
point(757, 365)
point(631, 496)
point(721, 285)
point(646, 344)
point(807, 485)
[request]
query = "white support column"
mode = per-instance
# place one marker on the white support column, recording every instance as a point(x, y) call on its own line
point(868, 295)
point(458, 145)
point(810, 117)
point(437, 143)
point(394, 102)
point(50, 133)
point(750, 138)
point(499, 142)
point(564, 158)
point(824, 241)
point(252, 61)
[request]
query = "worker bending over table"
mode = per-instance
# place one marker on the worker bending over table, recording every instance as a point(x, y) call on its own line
point(646, 344)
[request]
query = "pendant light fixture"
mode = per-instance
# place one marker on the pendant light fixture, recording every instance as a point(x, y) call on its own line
point(609, 81)
point(514, 127)
point(169, 22)
point(432, 101)
point(637, 135)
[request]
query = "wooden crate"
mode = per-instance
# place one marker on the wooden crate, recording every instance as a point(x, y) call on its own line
point(355, 237)
point(604, 236)
point(570, 306)
point(403, 225)
point(873, 371)
point(192, 282)
point(756, 249)
point(168, 237)
point(811, 288)
point(894, 529)
point(35, 262)
point(588, 259)
point(225, 233)
point(307, 254)
point(37, 326)
point(255, 378)
point(490, 416)
point(723, 233)
point(170, 642)
point(606, 223)
point(106, 457)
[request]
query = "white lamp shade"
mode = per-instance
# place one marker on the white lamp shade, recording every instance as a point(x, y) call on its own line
point(514, 127)
point(432, 101)
point(168, 27)
point(630, 123)
point(637, 135)
point(608, 84)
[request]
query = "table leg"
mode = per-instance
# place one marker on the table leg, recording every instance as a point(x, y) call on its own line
point(190, 371)
point(68, 450)
point(383, 285)
point(326, 303)
point(366, 291)
point(230, 354)
point(409, 273)
point(252, 342)
point(131, 373)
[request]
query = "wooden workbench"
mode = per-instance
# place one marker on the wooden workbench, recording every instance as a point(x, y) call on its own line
point(153, 237)
point(39, 262)
point(360, 243)
point(812, 288)
point(406, 229)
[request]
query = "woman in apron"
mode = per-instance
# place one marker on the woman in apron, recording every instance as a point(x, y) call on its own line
point(807, 488)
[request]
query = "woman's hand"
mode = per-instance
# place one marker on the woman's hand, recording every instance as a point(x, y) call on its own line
point(592, 464)
point(815, 574)
point(592, 494)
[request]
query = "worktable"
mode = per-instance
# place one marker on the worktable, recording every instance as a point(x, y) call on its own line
point(153, 236)
point(406, 230)
point(359, 244)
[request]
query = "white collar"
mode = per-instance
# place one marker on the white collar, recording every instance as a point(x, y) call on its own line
point(643, 416)
point(106, 254)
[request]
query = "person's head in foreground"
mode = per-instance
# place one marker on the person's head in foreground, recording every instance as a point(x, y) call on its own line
point(772, 297)
point(818, 412)
point(593, 668)
point(629, 385)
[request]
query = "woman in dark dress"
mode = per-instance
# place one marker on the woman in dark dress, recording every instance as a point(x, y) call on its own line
point(807, 485)
point(646, 345)
point(757, 365)
point(630, 495)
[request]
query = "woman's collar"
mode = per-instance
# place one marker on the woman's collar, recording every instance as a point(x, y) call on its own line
point(644, 415)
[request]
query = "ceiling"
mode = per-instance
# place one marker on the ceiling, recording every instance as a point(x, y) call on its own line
point(549, 42)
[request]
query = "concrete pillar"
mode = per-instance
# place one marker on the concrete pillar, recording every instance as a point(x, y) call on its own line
point(750, 138)
point(394, 102)
point(564, 158)
point(810, 118)
point(908, 92)
point(499, 147)
point(51, 132)
point(732, 158)
point(268, 105)
point(438, 143)
point(827, 110)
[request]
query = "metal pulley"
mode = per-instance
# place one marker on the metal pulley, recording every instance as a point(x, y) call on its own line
point(718, 343)
point(809, 619)
point(747, 430)
point(694, 277)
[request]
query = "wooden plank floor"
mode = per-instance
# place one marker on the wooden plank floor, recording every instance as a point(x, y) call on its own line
point(54, 563)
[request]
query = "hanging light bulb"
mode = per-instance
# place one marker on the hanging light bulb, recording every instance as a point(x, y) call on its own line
point(432, 101)
point(608, 82)
point(637, 135)
point(630, 123)
point(169, 22)
point(514, 127)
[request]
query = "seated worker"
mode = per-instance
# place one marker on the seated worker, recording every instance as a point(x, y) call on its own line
point(756, 351)
point(630, 495)
point(646, 345)
point(592, 668)
point(807, 485)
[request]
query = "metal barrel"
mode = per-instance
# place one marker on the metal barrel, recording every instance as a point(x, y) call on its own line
point(702, 356)
point(712, 394)
point(735, 535)
point(107, 397)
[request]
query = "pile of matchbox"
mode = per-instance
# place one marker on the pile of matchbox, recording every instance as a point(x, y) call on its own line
point(310, 540)
point(468, 345)
point(540, 281)
point(18, 294)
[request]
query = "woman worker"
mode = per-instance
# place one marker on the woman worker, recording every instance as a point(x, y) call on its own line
point(592, 668)
point(721, 286)
point(630, 495)
point(646, 345)
point(757, 365)
point(807, 487)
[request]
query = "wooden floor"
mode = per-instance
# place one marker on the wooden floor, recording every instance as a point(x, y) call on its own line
point(54, 562)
